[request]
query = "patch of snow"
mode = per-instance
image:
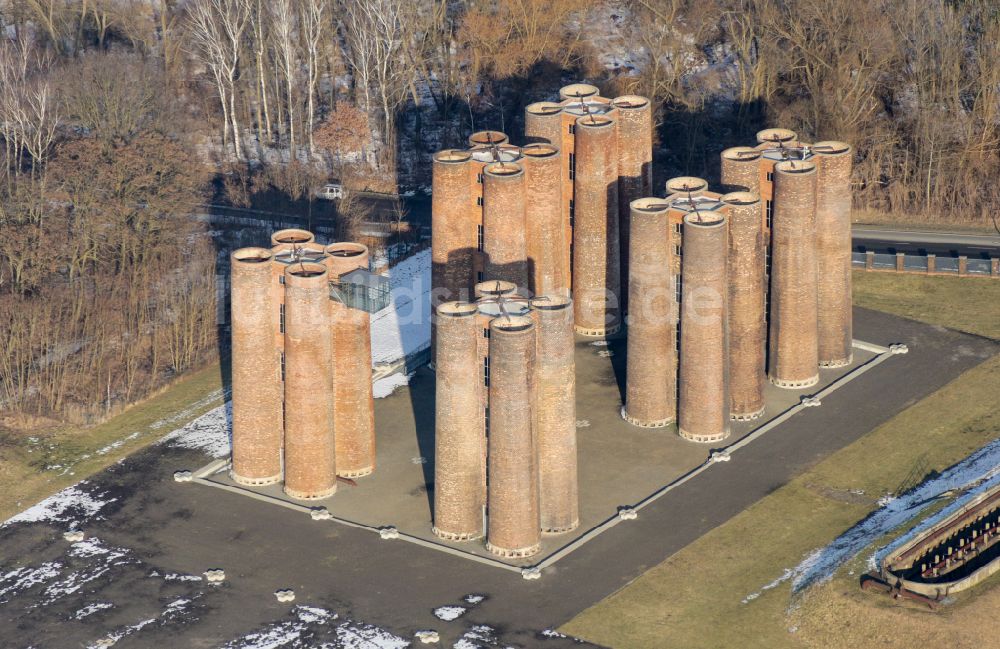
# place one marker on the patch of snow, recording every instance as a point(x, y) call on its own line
point(475, 635)
point(354, 635)
point(474, 598)
point(186, 413)
point(209, 433)
point(449, 613)
point(72, 505)
point(312, 614)
point(90, 609)
point(114, 445)
point(404, 327)
point(21, 579)
point(973, 475)
point(387, 385)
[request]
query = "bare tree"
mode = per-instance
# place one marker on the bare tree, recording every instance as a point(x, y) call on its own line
point(312, 27)
point(374, 32)
point(217, 28)
point(283, 24)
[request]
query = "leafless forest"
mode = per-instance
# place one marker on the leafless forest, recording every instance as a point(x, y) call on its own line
point(117, 117)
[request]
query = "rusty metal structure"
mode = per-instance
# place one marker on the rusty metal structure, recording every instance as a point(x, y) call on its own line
point(951, 556)
point(651, 371)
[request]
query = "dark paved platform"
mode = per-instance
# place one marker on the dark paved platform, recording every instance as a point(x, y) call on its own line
point(186, 528)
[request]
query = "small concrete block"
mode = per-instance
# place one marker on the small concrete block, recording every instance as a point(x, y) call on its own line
point(811, 402)
point(720, 456)
point(286, 595)
point(606, 353)
point(898, 348)
point(73, 536)
point(320, 514)
point(531, 573)
point(215, 575)
point(627, 514)
point(428, 636)
point(583, 423)
point(388, 532)
point(105, 642)
point(183, 476)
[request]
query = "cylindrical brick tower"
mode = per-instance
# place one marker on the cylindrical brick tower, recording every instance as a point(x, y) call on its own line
point(258, 430)
point(833, 251)
point(481, 138)
point(747, 321)
point(703, 402)
point(547, 247)
point(578, 91)
point(686, 185)
point(555, 392)
point(504, 239)
point(494, 288)
point(292, 236)
point(514, 526)
point(635, 170)
point(651, 370)
point(284, 255)
point(792, 341)
point(459, 442)
point(776, 136)
point(351, 360)
point(310, 450)
point(596, 282)
point(740, 170)
point(543, 123)
point(454, 238)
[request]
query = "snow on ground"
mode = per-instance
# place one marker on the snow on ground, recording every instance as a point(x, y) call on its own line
point(474, 637)
point(310, 628)
point(387, 385)
point(449, 613)
point(404, 326)
point(186, 413)
point(474, 599)
point(72, 505)
point(90, 609)
point(970, 477)
point(209, 433)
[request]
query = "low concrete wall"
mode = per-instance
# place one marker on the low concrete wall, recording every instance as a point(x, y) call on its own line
point(901, 262)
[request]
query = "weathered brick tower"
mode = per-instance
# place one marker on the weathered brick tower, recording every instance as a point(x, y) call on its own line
point(703, 400)
point(547, 243)
point(459, 453)
point(453, 230)
point(514, 525)
point(747, 317)
point(635, 170)
point(505, 245)
point(833, 251)
point(651, 371)
point(555, 397)
point(792, 350)
point(596, 249)
point(257, 429)
point(353, 405)
point(310, 454)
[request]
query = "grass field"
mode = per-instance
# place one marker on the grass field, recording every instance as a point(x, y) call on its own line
point(696, 597)
point(33, 467)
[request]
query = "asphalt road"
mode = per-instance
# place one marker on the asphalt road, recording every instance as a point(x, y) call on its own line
point(942, 244)
point(188, 528)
